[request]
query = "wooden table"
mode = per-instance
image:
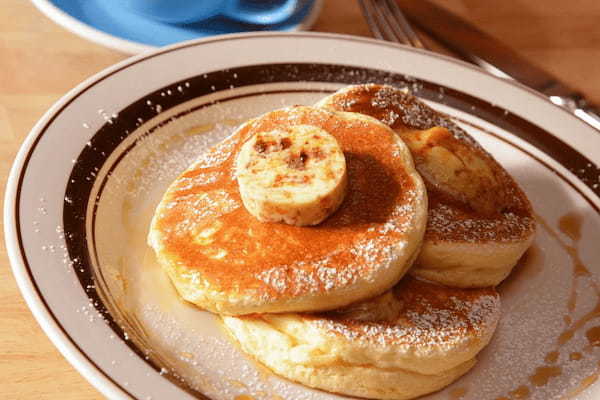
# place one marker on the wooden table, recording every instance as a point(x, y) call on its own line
point(40, 61)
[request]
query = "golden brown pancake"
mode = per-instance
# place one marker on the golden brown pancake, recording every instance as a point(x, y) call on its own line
point(223, 259)
point(479, 221)
point(413, 340)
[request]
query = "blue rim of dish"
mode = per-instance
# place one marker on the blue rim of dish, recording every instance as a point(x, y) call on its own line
point(101, 22)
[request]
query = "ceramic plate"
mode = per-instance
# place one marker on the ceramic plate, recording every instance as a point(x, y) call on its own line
point(86, 181)
point(114, 26)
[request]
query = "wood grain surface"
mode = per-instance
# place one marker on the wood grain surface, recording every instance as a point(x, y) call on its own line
point(40, 61)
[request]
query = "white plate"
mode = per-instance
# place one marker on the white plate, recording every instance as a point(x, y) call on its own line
point(86, 180)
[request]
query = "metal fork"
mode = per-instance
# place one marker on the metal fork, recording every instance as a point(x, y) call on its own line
point(387, 22)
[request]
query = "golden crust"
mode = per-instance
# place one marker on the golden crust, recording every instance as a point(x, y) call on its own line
point(224, 260)
point(479, 221)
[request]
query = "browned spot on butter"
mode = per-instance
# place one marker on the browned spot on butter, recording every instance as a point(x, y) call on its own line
point(298, 161)
point(286, 143)
point(317, 154)
point(267, 146)
point(261, 146)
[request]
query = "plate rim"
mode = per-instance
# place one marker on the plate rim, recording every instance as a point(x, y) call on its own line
point(25, 281)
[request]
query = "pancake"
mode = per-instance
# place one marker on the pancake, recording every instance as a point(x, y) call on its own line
point(479, 221)
point(223, 259)
point(415, 339)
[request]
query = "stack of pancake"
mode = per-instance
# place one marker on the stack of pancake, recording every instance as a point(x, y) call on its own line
point(352, 246)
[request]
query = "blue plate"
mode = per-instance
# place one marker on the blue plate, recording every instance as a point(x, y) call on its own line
point(130, 29)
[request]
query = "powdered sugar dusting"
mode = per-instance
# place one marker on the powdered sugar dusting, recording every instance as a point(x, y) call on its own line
point(298, 279)
point(217, 154)
point(403, 108)
point(428, 316)
point(446, 221)
point(200, 179)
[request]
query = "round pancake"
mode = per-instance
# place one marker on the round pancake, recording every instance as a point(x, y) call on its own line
point(410, 341)
point(479, 221)
point(223, 259)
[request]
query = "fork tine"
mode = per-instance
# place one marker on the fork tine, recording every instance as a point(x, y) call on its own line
point(368, 12)
point(387, 22)
point(401, 21)
point(380, 27)
point(386, 28)
point(392, 27)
